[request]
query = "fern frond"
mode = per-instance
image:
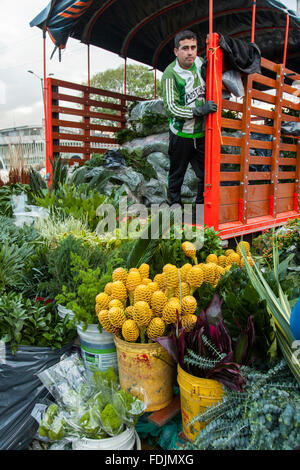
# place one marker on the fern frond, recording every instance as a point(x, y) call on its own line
point(199, 361)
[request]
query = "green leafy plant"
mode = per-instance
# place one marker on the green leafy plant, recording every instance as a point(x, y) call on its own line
point(265, 416)
point(30, 323)
point(278, 306)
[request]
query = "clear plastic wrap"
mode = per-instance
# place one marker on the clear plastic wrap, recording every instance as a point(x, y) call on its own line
point(93, 408)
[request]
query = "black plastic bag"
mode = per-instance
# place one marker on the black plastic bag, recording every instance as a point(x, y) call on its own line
point(290, 128)
point(20, 390)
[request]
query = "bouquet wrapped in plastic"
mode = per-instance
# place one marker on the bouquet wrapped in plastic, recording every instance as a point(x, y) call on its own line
point(93, 408)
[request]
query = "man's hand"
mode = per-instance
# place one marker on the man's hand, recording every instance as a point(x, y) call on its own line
point(208, 107)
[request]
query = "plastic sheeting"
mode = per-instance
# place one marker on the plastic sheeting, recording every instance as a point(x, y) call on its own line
point(20, 390)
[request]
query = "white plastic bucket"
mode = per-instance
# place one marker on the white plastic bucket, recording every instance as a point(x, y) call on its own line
point(127, 440)
point(63, 311)
point(97, 349)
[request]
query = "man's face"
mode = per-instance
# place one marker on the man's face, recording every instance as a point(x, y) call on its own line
point(186, 52)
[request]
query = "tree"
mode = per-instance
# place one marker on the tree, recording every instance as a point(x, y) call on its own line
point(139, 81)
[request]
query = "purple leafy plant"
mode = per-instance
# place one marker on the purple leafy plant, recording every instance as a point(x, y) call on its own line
point(207, 350)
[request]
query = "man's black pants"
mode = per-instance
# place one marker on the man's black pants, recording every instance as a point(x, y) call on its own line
point(183, 151)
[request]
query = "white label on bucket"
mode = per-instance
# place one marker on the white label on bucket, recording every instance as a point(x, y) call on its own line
point(101, 357)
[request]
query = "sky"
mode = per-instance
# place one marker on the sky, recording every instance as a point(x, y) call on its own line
point(21, 49)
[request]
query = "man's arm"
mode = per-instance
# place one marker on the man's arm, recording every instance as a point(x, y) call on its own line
point(172, 102)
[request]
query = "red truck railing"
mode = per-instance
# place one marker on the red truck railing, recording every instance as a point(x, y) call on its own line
point(251, 184)
point(81, 120)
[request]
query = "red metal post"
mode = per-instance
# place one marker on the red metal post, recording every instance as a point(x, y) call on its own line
point(46, 92)
point(155, 84)
point(49, 130)
point(253, 21)
point(286, 39)
point(213, 133)
point(89, 66)
point(125, 76)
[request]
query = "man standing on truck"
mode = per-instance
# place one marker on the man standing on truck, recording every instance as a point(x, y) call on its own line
point(184, 92)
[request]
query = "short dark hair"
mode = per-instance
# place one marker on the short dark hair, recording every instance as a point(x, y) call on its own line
point(187, 34)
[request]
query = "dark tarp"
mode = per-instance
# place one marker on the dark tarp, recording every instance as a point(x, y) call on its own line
point(145, 30)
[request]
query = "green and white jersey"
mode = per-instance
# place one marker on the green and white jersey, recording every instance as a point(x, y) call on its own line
point(182, 91)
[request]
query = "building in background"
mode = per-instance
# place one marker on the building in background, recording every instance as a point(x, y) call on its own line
point(25, 146)
point(22, 145)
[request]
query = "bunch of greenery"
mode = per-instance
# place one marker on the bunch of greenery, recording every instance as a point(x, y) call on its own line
point(79, 202)
point(286, 239)
point(6, 193)
point(30, 323)
point(266, 416)
point(240, 300)
point(83, 279)
point(22, 258)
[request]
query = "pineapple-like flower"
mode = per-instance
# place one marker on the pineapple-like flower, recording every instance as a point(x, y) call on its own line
point(142, 313)
point(220, 271)
point(169, 314)
point(184, 288)
point(130, 331)
point(246, 247)
point(142, 292)
point(195, 277)
point(172, 276)
point(116, 316)
point(161, 281)
point(156, 328)
point(119, 274)
point(144, 270)
point(184, 270)
point(115, 303)
point(107, 288)
point(133, 280)
point(211, 273)
point(189, 250)
point(229, 251)
point(222, 260)
point(153, 286)
point(188, 322)
point(118, 291)
point(103, 317)
point(212, 258)
point(146, 280)
point(233, 258)
point(129, 312)
point(228, 267)
point(102, 300)
point(188, 305)
point(158, 301)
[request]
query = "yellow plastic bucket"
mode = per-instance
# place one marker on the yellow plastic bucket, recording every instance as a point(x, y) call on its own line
point(147, 371)
point(196, 395)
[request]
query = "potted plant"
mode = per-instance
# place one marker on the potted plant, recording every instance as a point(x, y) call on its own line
point(206, 361)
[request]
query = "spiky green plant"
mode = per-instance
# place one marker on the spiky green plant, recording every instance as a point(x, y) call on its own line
point(278, 306)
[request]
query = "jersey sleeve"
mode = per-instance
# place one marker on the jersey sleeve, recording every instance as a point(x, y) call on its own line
point(172, 102)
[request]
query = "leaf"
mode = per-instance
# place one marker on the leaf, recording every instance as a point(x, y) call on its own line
point(214, 311)
point(167, 342)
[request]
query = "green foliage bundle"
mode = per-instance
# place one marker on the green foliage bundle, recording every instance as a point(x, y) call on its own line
point(22, 258)
point(30, 323)
point(266, 416)
point(83, 279)
point(79, 202)
point(286, 238)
